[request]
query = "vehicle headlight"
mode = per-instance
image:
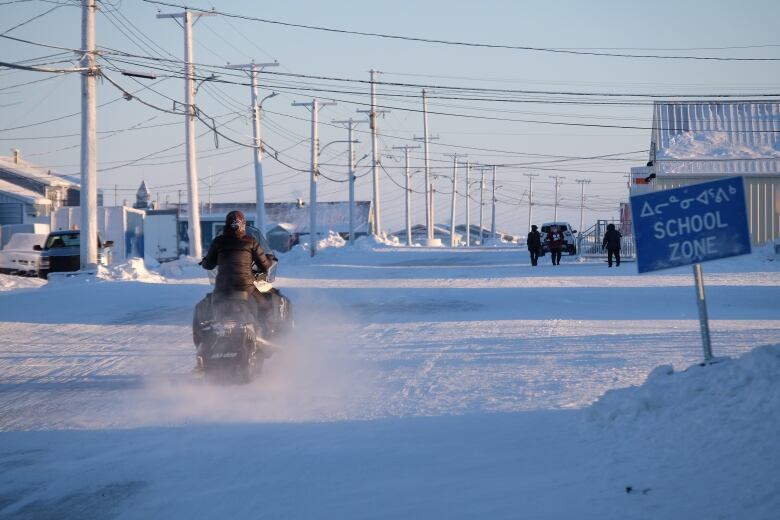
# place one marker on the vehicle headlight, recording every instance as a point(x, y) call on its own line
point(44, 263)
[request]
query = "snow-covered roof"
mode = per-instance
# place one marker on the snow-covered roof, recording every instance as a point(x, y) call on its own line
point(739, 137)
point(13, 191)
point(35, 173)
point(290, 228)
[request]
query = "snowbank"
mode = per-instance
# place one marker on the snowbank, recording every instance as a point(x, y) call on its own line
point(333, 246)
point(10, 283)
point(133, 269)
point(726, 395)
point(185, 268)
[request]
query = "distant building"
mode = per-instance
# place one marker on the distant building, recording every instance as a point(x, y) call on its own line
point(282, 217)
point(25, 188)
point(698, 141)
point(442, 232)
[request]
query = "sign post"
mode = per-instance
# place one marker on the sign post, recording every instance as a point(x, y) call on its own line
point(690, 225)
point(704, 323)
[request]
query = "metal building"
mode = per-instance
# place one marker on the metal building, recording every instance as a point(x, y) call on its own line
point(698, 141)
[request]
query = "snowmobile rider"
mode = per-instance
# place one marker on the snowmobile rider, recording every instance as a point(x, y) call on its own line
point(234, 252)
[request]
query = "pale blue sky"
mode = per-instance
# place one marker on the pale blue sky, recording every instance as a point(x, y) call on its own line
point(610, 24)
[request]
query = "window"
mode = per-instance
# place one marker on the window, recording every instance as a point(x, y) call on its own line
point(64, 240)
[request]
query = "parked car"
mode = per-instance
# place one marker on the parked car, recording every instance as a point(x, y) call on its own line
point(19, 255)
point(61, 252)
point(569, 243)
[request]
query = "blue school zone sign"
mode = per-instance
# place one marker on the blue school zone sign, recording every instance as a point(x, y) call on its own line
point(691, 224)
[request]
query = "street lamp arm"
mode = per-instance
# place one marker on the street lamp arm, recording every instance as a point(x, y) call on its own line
point(269, 96)
point(333, 142)
point(201, 82)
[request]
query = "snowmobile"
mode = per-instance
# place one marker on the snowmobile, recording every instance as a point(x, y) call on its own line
point(232, 343)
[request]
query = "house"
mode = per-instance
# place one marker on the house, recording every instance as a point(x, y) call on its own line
point(698, 141)
point(21, 178)
point(20, 205)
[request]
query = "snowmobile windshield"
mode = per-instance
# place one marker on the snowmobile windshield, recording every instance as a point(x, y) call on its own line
point(257, 235)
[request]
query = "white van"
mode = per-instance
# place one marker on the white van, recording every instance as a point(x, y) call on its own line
point(569, 243)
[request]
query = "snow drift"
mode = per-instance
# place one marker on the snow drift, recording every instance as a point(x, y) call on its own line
point(731, 392)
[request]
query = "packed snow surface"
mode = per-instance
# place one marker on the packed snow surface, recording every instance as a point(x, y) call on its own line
point(419, 383)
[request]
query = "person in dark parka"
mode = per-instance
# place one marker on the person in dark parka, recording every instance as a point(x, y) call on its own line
point(234, 252)
point(555, 241)
point(612, 244)
point(534, 243)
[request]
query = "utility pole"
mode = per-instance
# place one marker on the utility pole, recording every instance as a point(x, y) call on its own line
point(582, 183)
point(314, 107)
point(257, 152)
point(530, 193)
point(88, 194)
point(454, 192)
point(208, 205)
point(428, 188)
point(193, 209)
point(468, 203)
point(426, 139)
point(493, 217)
point(482, 206)
point(372, 113)
point(408, 189)
point(557, 179)
point(350, 125)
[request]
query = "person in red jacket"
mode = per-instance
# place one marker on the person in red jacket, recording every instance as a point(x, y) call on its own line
point(555, 243)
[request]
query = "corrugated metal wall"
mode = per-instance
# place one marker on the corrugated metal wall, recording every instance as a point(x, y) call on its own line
point(763, 202)
point(11, 213)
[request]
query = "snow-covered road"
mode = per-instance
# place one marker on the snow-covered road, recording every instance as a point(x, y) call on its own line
point(418, 383)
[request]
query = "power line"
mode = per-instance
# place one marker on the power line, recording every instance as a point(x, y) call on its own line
point(467, 44)
point(34, 18)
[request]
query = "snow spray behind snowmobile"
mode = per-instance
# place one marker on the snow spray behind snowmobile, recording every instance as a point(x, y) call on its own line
point(233, 331)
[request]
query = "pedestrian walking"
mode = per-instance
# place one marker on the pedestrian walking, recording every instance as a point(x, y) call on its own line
point(534, 243)
point(555, 242)
point(611, 243)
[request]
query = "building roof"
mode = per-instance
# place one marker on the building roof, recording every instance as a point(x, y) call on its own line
point(35, 173)
point(331, 216)
point(13, 191)
point(721, 137)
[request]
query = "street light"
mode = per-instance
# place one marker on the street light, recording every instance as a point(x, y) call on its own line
point(201, 82)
